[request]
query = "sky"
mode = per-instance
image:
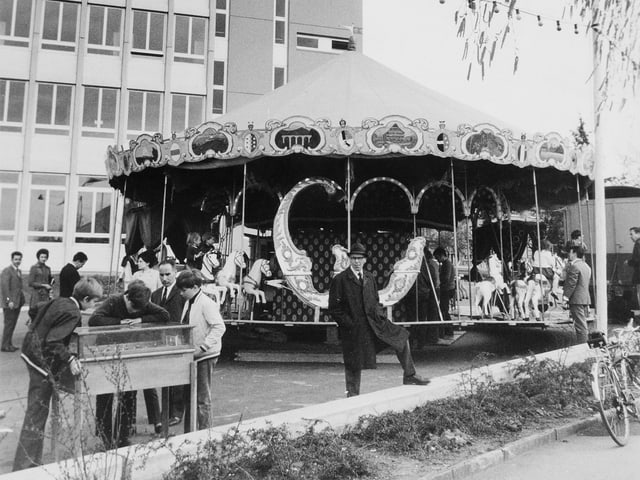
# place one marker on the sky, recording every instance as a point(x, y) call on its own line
point(550, 91)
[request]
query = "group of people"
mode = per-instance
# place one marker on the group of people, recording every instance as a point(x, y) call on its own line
point(40, 281)
point(175, 298)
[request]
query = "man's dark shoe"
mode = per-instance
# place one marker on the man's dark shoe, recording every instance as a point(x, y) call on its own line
point(415, 380)
point(10, 348)
point(158, 427)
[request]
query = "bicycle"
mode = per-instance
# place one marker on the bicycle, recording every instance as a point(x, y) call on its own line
point(615, 380)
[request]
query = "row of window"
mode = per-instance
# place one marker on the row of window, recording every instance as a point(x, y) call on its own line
point(48, 196)
point(100, 106)
point(105, 30)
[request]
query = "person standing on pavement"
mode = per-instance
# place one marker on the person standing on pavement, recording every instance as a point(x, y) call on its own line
point(634, 261)
point(364, 329)
point(447, 285)
point(203, 313)
point(168, 297)
point(12, 300)
point(40, 280)
point(130, 308)
point(46, 352)
point(576, 291)
point(69, 275)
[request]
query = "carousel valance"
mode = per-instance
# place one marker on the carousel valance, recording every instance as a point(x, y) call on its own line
point(222, 145)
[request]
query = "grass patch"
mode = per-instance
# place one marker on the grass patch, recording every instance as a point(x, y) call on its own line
point(542, 392)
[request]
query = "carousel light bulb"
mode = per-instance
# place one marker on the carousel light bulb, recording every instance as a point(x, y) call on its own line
point(540, 23)
point(518, 16)
point(575, 28)
point(558, 26)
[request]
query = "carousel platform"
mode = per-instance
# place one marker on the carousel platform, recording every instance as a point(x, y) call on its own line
point(552, 317)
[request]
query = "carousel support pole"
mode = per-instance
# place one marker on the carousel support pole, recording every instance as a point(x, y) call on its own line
point(594, 273)
point(118, 229)
point(469, 253)
point(116, 208)
point(535, 192)
point(349, 203)
point(579, 205)
point(163, 254)
point(599, 205)
point(455, 236)
point(244, 202)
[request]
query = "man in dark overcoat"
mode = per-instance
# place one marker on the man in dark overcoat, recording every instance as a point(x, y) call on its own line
point(364, 329)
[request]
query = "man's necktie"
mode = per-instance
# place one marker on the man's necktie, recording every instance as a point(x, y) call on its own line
point(360, 277)
point(164, 296)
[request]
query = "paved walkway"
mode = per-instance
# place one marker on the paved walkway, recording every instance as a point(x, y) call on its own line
point(590, 454)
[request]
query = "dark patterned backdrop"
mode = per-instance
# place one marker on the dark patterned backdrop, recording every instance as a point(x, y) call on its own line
point(385, 249)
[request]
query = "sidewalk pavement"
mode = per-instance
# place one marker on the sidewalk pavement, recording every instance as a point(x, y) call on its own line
point(589, 453)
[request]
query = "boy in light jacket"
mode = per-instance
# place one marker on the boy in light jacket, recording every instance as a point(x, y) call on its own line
point(204, 314)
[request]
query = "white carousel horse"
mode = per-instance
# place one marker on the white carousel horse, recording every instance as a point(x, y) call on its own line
point(342, 258)
point(538, 287)
point(252, 280)
point(227, 274)
point(210, 266)
point(483, 293)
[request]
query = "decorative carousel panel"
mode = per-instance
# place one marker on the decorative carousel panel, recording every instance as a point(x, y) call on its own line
point(176, 151)
point(443, 142)
point(484, 141)
point(552, 152)
point(298, 135)
point(146, 151)
point(112, 162)
point(395, 134)
point(211, 140)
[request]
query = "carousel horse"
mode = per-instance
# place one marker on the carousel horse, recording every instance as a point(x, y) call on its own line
point(210, 267)
point(226, 276)
point(342, 259)
point(252, 280)
point(516, 299)
point(483, 294)
point(538, 287)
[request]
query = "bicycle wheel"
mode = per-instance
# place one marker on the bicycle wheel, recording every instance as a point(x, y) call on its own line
point(608, 393)
point(628, 381)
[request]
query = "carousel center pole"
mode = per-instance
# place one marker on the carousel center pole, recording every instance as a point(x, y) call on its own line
point(580, 205)
point(244, 202)
point(455, 236)
point(164, 213)
point(469, 253)
point(113, 240)
point(535, 192)
point(594, 273)
point(118, 232)
point(349, 203)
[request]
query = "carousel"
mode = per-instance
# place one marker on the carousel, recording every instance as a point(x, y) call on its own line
point(350, 152)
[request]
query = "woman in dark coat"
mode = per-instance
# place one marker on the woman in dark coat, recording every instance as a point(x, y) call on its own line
point(364, 329)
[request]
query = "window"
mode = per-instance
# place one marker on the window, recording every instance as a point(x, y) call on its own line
point(221, 25)
point(221, 4)
point(15, 21)
point(186, 111)
point(278, 77)
point(281, 8)
point(46, 207)
point(54, 105)
point(12, 97)
point(60, 25)
point(99, 113)
point(218, 101)
point(308, 41)
point(218, 73)
point(148, 32)
point(8, 204)
point(145, 111)
point(93, 215)
point(190, 39)
point(280, 32)
point(105, 30)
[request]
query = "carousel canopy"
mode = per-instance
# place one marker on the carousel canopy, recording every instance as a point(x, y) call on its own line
point(353, 87)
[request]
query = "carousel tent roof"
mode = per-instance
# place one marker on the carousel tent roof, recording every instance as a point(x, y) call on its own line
point(353, 87)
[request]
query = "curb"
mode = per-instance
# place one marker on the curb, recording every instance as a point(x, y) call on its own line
point(510, 450)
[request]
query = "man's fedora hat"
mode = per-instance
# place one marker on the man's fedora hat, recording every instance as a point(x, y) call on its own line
point(358, 250)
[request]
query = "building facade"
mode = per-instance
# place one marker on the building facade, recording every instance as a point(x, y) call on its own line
point(77, 76)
